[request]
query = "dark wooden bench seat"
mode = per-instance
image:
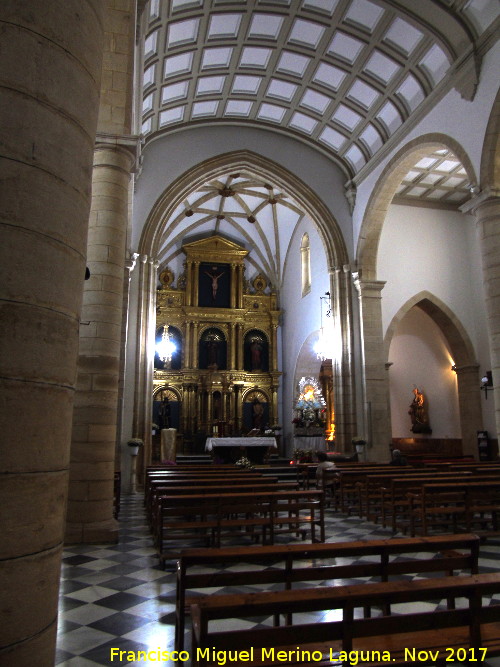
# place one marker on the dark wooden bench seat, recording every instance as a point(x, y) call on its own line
point(471, 625)
point(296, 563)
point(376, 492)
point(475, 503)
point(175, 489)
point(216, 516)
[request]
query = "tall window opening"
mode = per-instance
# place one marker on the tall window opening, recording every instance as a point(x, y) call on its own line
point(305, 261)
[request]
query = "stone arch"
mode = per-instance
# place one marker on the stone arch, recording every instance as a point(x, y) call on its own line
point(385, 189)
point(463, 354)
point(490, 159)
point(325, 222)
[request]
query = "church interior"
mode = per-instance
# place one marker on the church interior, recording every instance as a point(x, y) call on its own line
point(273, 225)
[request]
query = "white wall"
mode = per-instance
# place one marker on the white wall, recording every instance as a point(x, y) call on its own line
point(420, 358)
point(301, 316)
point(424, 249)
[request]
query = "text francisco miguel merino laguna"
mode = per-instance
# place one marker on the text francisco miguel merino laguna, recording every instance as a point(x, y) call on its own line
point(223, 657)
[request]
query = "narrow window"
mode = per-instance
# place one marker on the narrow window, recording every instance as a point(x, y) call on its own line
point(305, 262)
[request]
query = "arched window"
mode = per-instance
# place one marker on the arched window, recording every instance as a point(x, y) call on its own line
point(305, 263)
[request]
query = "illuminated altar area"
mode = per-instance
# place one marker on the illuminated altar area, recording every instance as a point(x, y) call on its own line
point(215, 367)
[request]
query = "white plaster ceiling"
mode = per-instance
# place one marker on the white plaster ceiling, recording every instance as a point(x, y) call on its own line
point(341, 75)
point(438, 179)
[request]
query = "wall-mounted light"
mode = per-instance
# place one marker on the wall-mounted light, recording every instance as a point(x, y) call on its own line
point(487, 383)
point(454, 368)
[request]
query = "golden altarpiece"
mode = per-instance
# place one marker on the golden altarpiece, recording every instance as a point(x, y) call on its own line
point(222, 377)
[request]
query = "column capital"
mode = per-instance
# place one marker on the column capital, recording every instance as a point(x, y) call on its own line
point(368, 288)
point(131, 261)
point(129, 145)
point(479, 198)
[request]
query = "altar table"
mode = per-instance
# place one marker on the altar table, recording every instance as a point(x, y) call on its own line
point(229, 450)
point(239, 442)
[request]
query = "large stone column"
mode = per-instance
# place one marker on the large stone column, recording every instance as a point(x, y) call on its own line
point(90, 501)
point(376, 381)
point(50, 63)
point(486, 208)
point(341, 347)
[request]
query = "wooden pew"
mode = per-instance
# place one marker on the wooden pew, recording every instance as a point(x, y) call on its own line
point(345, 484)
point(173, 488)
point(258, 515)
point(472, 627)
point(190, 478)
point(441, 504)
point(295, 563)
point(393, 495)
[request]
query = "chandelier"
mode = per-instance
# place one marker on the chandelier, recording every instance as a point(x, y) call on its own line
point(166, 347)
point(321, 345)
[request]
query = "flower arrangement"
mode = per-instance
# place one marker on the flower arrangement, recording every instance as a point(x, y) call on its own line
point(243, 462)
point(135, 442)
point(303, 455)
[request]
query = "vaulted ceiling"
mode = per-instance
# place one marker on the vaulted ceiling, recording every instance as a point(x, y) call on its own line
point(343, 75)
point(346, 77)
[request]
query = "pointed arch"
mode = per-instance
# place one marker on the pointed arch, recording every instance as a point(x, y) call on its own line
point(385, 189)
point(452, 329)
point(490, 159)
point(462, 351)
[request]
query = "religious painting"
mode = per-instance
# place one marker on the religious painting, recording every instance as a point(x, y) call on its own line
point(214, 285)
point(255, 411)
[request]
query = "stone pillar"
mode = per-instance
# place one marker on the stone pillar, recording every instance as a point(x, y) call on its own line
point(486, 208)
point(469, 406)
point(342, 358)
point(144, 359)
point(90, 501)
point(50, 64)
point(376, 382)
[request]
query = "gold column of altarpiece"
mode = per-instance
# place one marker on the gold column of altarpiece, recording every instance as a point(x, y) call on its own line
point(212, 295)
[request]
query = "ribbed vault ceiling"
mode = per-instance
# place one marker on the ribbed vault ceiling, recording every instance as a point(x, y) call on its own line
point(242, 207)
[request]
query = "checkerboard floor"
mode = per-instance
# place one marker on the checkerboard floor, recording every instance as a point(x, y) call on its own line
point(118, 597)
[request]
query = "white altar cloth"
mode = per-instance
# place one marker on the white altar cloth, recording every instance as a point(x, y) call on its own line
point(239, 442)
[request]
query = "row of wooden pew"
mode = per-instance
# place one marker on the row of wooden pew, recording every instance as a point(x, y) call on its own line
point(373, 613)
point(364, 591)
point(188, 506)
point(420, 501)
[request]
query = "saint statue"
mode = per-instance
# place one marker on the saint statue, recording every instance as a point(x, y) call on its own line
point(418, 413)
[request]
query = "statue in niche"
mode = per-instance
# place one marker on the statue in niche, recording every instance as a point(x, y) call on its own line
point(256, 354)
point(418, 413)
point(212, 351)
point(257, 414)
point(215, 280)
point(164, 414)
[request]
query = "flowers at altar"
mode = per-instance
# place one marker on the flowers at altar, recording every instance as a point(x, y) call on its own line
point(243, 462)
point(303, 455)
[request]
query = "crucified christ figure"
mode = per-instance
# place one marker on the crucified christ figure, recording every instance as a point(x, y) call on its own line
point(215, 280)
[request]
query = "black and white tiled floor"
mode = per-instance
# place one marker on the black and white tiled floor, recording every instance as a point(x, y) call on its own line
point(117, 596)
